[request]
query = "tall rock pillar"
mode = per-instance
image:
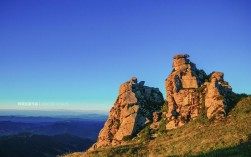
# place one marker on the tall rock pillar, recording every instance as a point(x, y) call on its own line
point(189, 92)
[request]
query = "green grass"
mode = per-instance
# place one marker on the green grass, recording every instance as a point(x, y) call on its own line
point(201, 137)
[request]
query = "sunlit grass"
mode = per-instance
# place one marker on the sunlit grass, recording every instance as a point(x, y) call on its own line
point(201, 137)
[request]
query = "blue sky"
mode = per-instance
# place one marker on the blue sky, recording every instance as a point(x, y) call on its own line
point(74, 54)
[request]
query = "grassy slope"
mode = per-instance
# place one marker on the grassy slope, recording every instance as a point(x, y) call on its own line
point(230, 137)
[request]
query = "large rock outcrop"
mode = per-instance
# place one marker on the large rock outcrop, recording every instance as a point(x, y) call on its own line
point(133, 108)
point(189, 93)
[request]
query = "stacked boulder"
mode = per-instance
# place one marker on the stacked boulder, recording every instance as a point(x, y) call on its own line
point(132, 110)
point(188, 93)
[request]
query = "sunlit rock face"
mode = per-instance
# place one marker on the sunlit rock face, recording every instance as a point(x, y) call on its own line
point(216, 90)
point(189, 92)
point(133, 108)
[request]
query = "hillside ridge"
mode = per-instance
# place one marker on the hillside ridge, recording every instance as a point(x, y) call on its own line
point(197, 104)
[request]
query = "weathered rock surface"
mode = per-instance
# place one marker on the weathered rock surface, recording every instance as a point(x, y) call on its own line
point(188, 93)
point(215, 101)
point(132, 110)
point(155, 123)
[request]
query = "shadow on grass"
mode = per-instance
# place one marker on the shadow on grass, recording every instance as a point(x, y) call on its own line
point(242, 150)
point(233, 99)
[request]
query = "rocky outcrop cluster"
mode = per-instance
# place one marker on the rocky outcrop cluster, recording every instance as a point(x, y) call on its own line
point(132, 110)
point(190, 91)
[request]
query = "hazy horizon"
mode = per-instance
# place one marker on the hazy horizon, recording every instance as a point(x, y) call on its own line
point(52, 113)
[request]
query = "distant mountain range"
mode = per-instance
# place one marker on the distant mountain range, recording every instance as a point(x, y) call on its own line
point(48, 136)
point(54, 113)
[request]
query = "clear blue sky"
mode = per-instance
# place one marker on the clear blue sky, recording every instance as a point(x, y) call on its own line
point(77, 52)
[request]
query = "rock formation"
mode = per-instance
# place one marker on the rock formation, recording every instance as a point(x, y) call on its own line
point(189, 93)
point(133, 108)
point(215, 101)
